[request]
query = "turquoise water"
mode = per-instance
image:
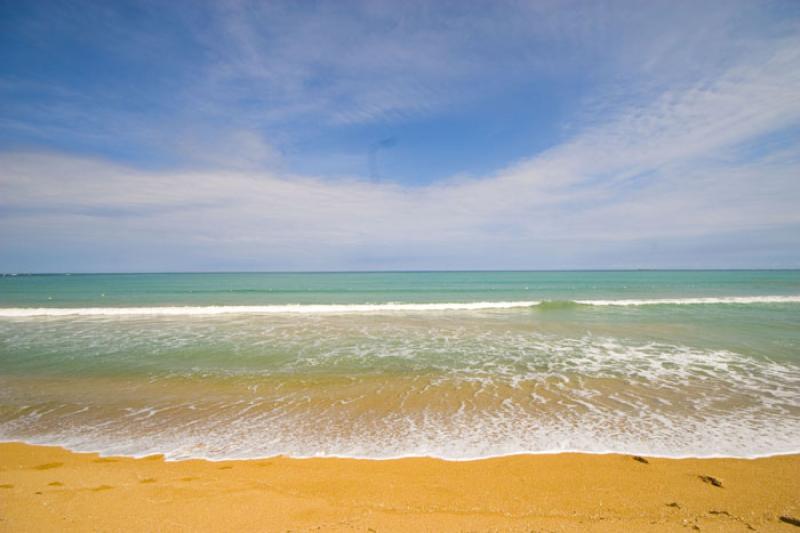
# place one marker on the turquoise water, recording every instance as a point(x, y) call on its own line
point(381, 287)
point(448, 364)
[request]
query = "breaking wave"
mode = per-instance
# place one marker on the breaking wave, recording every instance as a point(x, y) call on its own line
point(318, 309)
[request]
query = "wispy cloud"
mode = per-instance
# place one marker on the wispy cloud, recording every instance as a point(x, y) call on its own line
point(659, 171)
point(282, 70)
point(667, 162)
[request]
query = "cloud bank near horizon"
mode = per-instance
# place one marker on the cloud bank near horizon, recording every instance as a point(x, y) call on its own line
point(683, 164)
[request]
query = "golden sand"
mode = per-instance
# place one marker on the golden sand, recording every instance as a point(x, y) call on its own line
point(51, 489)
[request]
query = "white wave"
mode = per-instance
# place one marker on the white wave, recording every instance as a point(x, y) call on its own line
point(696, 301)
point(317, 309)
point(312, 309)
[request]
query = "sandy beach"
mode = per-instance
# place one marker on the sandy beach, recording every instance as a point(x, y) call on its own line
point(376, 266)
point(49, 489)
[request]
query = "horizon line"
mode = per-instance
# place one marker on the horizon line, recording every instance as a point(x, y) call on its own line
point(394, 271)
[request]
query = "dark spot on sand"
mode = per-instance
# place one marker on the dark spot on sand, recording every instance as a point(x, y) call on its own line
point(790, 520)
point(641, 459)
point(711, 481)
point(268, 463)
point(188, 478)
point(6, 486)
point(48, 466)
point(148, 480)
point(225, 467)
point(674, 504)
point(55, 484)
point(38, 493)
point(729, 515)
point(101, 487)
point(105, 460)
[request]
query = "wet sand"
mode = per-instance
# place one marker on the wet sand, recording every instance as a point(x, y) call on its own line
point(49, 489)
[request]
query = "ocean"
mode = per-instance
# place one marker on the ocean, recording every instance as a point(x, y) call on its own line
point(457, 365)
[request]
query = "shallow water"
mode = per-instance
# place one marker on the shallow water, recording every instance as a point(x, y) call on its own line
point(362, 365)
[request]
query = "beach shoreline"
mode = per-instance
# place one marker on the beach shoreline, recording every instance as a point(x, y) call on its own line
point(50, 488)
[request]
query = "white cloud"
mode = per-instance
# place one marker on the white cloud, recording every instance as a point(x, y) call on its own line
point(660, 171)
point(653, 159)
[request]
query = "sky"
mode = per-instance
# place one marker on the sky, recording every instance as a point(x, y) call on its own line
point(254, 136)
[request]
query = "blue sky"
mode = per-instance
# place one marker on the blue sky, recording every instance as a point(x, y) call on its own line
point(234, 135)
